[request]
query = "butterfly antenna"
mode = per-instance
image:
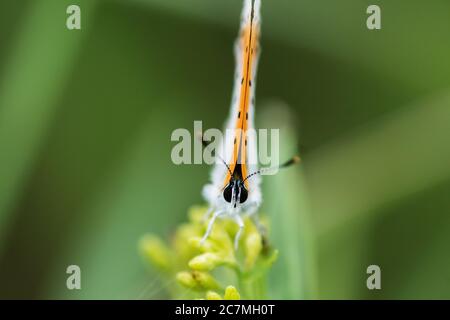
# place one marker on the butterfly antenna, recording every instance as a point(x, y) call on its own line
point(290, 162)
point(205, 144)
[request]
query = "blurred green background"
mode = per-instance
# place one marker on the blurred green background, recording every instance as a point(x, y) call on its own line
point(86, 118)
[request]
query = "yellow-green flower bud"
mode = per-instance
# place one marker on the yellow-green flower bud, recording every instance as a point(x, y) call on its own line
point(205, 246)
point(186, 279)
point(253, 247)
point(231, 294)
point(212, 295)
point(206, 261)
point(154, 250)
point(197, 280)
point(197, 213)
point(181, 240)
point(222, 238)
point(204, 280)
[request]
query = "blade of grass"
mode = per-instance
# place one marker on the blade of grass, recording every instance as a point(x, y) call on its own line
point(393, 157)
point(39, 63)
point(294, 274)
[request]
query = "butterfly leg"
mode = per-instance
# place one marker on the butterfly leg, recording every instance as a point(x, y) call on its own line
point(261, 228)
point(240, 223)
point(210, 225)
point(207, 214)
point(252, 213)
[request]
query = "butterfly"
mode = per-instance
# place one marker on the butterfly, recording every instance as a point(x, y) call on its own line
point(235, 180)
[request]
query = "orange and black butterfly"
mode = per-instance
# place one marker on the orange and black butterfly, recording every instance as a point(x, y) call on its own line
point(235, 181)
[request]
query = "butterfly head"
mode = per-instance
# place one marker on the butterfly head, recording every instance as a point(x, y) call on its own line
point(235, 192)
